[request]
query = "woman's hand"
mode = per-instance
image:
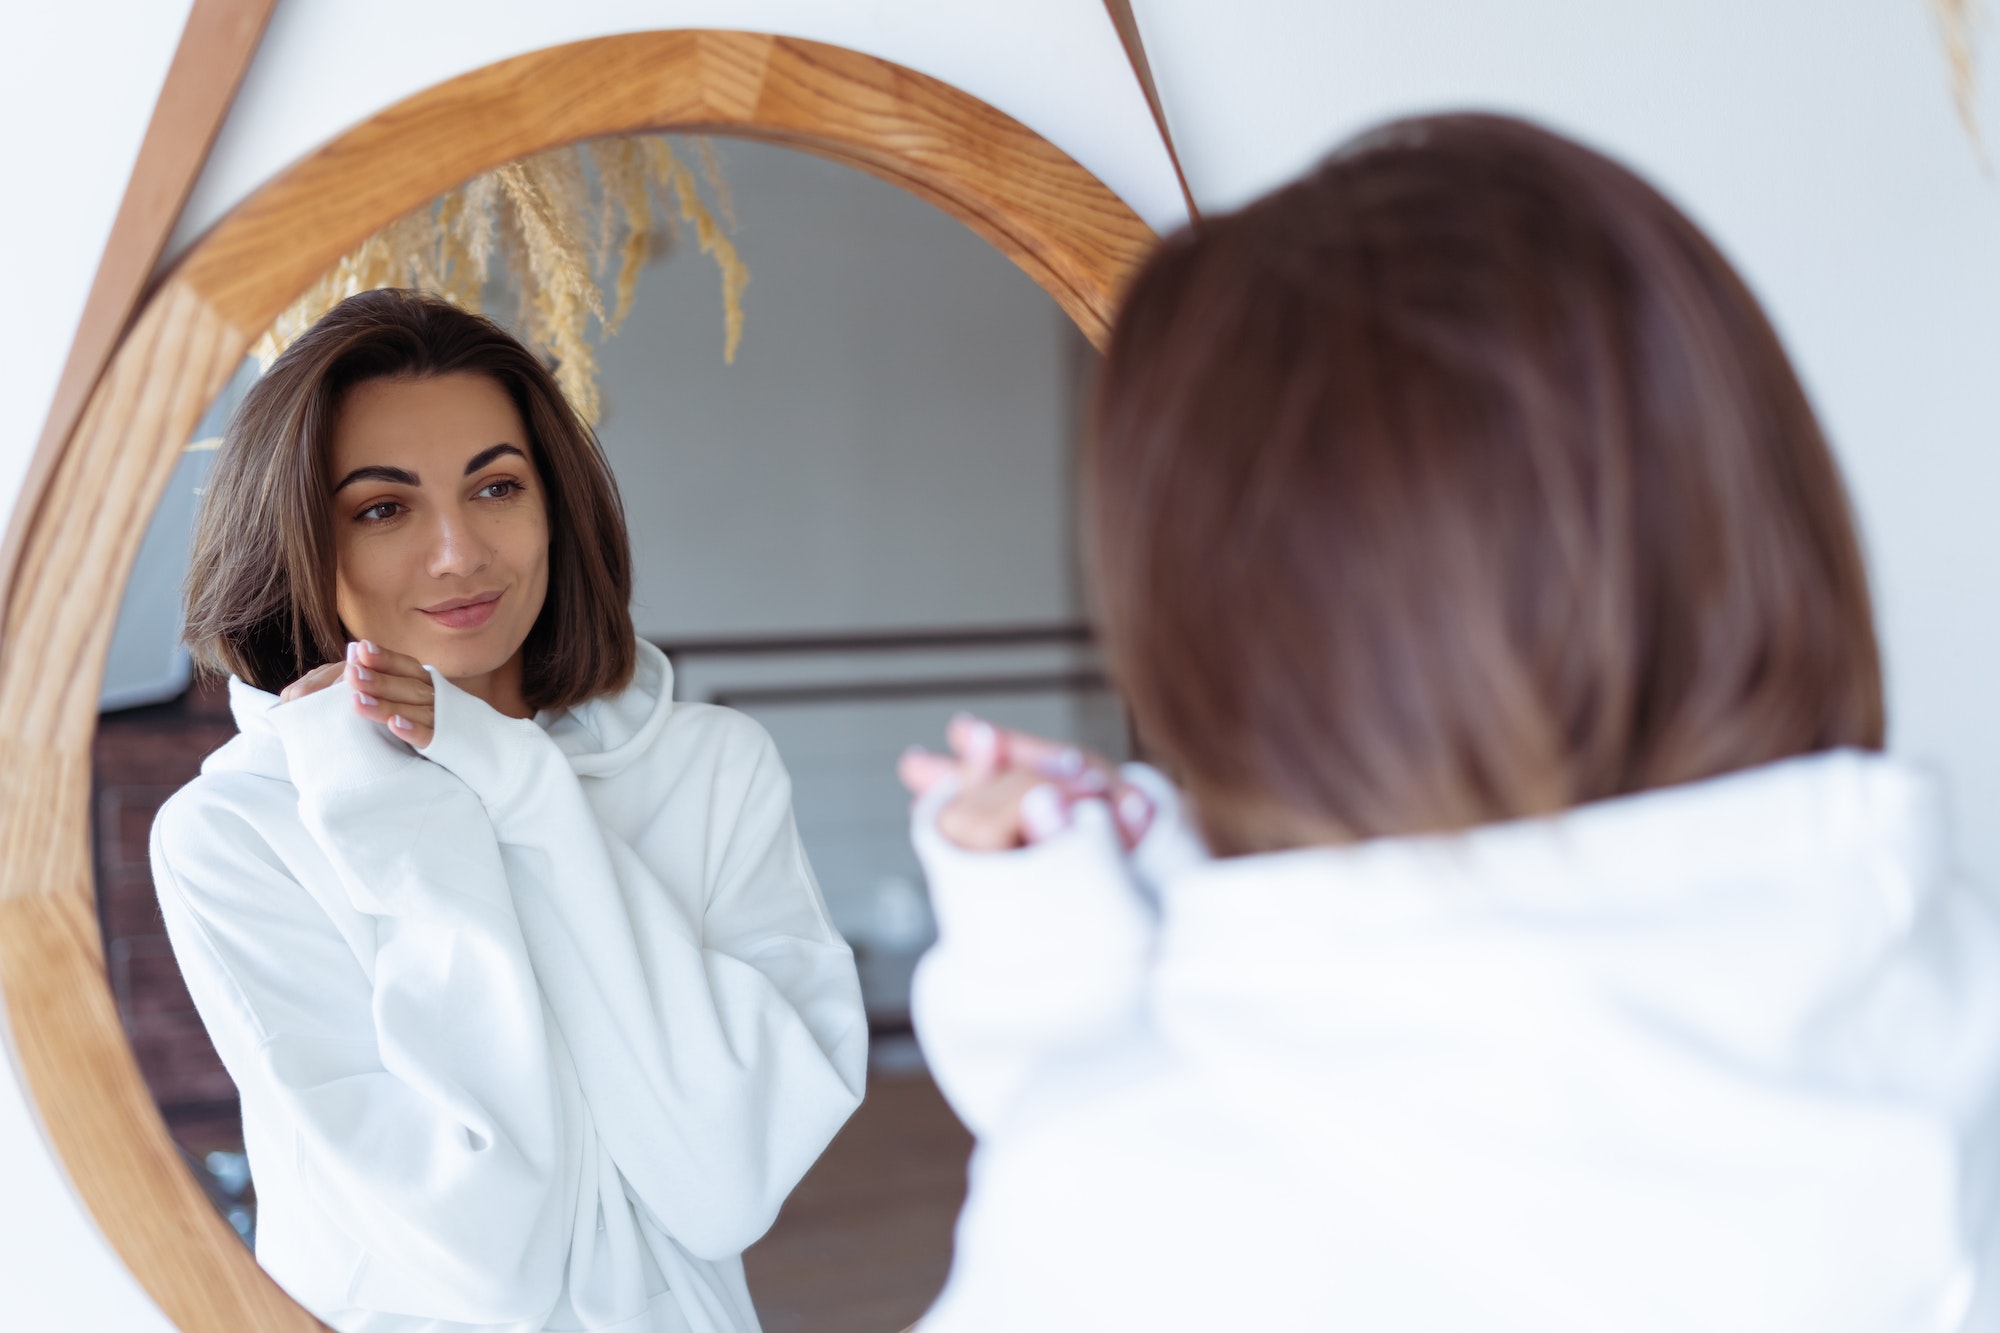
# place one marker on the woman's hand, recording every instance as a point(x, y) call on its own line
point(390, 688)
point(1015, 789)
point(393, 689)
point(312, 682)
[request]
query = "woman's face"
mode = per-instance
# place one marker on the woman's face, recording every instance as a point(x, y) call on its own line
point(440, 532)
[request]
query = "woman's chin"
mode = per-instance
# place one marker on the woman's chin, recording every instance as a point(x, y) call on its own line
point(459, 661)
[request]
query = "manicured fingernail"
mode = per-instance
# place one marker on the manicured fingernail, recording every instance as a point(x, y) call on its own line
point(368, 647)
point(362, 672)
point(367, 700)
point(352, 646)
point(1042, 812)
point(1091, 780)
point(401, 723)
point(982, 743)
point(1064, 763)
point(1135, 811)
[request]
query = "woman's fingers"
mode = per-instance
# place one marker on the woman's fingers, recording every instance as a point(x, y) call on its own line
point(986, 815)
point(392, 688)
point(410, 722)
point(1077, 773)
point(977, 743)
point(919, 769)
point(312, 682)
point(376, 659)
point(395, 689)
point(1020, 806)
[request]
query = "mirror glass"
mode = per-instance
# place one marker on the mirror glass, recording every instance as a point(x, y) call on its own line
point(856, 528)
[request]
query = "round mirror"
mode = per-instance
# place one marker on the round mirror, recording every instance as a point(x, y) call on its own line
point(858, 528)
point(851, 529)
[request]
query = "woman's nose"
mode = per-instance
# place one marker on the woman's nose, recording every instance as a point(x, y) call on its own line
point(456, 548)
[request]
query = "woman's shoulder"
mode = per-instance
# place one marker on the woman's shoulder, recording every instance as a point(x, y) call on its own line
point(731, 748)
point(217, 820)
point(719, 728)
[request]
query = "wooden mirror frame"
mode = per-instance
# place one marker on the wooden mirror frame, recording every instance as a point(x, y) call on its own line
point(1051, 217)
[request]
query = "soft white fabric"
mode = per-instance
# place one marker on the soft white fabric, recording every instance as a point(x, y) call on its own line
point(534, 1029)
point(1718, 1057)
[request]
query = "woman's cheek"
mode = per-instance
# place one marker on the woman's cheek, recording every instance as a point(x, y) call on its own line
point(368, 583)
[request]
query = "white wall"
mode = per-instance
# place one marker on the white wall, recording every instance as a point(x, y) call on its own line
point(890, 449)
point(76, 110)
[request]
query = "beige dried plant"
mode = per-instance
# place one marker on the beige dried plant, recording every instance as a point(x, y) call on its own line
point(1958, 24)
point(553, 221)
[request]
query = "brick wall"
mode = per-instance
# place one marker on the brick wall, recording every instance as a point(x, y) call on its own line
point(142, 756)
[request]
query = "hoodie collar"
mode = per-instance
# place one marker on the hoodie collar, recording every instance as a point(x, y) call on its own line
point(600, 736)
point(1738, 907)
point(1800, 822)
point(256, 747)
point(605, 735)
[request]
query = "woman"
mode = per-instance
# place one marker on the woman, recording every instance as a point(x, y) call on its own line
point(530, 995)
point(1538, 938)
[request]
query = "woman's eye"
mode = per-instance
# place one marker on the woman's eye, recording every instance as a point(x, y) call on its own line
point(377, 513)
point(499, 490)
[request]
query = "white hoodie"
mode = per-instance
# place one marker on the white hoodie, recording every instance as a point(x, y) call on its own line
point(1719, 1057)
point(533, 1030)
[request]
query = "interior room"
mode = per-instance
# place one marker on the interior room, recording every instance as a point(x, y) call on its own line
point(833, 285)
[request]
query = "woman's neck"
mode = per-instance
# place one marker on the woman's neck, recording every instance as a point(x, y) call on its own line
point(501, 688)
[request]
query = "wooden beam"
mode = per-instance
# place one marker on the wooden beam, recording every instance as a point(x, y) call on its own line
point(1127, 23)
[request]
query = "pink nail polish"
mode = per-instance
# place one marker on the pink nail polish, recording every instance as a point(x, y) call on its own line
point(401, 723)
point(363, 673)
point(366, 700)
point(982, 744)
point(1135, 812)
point(1066, 764)
point(368, 647)
point(1043, 815)
point(352, 647)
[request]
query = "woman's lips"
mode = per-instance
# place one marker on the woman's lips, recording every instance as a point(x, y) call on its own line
point(466, 615)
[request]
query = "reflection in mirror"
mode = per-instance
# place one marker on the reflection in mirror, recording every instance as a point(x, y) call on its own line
point(856, 529)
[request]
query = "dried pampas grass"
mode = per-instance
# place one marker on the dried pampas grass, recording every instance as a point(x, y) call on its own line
point(553, 221)
point(1958, 22)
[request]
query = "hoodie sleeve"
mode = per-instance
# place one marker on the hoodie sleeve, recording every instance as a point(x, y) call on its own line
point(1040, 950)
point(715, 1019)
point(420, 1097)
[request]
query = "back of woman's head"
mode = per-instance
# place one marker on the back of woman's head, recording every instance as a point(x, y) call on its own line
point(260, 589)
point(1464, 480)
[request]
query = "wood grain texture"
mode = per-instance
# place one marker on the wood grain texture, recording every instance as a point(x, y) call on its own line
point(79, 539)
point(209, 63)
point(1051, 217)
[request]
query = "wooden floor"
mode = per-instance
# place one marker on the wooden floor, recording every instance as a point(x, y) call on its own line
point(864, 1243)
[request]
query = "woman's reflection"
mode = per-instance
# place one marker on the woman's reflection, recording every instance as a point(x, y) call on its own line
point(531, 997)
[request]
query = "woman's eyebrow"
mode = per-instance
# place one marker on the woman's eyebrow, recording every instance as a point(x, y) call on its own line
point(485, 456)
point(376, 472)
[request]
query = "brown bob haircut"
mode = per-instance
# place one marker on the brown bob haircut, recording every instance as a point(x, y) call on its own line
point(1463, 480)
point(260, 585)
